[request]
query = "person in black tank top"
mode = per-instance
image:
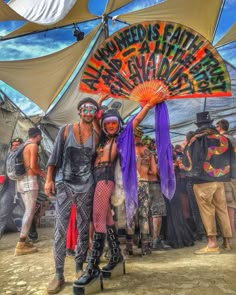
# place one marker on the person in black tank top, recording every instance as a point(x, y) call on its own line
point(71, 162)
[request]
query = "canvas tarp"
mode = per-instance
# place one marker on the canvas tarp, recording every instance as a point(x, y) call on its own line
point(65, 111)
point(113, 5)
point(229, 37)
point(8, 123)
point(79, 13)
point(41, 79)
point(199, 15)
point(43, 11)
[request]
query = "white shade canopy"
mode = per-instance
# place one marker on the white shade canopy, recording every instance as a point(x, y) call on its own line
point(43, 11)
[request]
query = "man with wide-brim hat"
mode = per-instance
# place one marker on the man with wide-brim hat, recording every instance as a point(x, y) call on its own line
point(209, 167)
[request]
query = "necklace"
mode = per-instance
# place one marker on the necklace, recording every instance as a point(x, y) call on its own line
point(80, 136)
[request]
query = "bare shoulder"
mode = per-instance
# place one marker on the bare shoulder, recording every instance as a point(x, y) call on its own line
point(31, 147)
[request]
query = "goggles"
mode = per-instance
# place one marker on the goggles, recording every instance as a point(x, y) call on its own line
point(88, 106)
point(88, 111)
point(114, 121)
point(111, 119)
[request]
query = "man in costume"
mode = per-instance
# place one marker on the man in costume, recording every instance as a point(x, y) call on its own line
point(222, 127)
point(107, 153)
point(208, 160)
point(72, 162)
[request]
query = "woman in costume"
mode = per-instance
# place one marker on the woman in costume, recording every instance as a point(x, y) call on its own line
point(107, 153)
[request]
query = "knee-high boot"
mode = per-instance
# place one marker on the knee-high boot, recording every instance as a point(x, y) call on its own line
point(114, 245)
point(92, 270)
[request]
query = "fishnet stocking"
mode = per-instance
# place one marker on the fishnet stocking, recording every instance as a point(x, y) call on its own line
point(102, 215)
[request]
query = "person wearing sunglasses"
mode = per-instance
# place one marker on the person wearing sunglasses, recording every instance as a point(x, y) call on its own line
point(70, 176)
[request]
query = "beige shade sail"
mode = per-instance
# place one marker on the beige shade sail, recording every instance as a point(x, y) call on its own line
point(78, 13)
point(65, 111)
point(229, 37)
point(113, 5)
point(41, 79)
point(200, 15)
point(7, 13)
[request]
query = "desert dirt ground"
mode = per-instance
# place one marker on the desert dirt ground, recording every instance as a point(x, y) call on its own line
point(177, 272)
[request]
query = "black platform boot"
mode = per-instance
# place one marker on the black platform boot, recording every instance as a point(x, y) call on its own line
point(114, 245)
point(93, 271)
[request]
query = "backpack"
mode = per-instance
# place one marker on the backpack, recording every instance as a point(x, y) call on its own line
point(15, 164)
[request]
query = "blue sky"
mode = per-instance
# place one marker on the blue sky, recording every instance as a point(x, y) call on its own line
point(45, 43)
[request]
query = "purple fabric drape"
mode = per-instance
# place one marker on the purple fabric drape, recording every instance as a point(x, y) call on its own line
point(164, 151)
point(126, 149)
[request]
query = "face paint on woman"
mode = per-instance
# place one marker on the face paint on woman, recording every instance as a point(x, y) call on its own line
point(111, 127)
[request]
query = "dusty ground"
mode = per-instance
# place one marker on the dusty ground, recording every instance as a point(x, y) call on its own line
point(177, 272)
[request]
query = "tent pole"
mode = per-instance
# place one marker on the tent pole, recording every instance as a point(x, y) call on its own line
point(204, 108)
point(218, 20)
point(2, 38)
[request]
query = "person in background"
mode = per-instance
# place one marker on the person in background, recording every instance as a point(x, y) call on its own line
point(208, 160)
point(179, 233)
point(146, 165)
point(9, 196)
point(157, 203)
point(222, 127)
point(28, 187)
